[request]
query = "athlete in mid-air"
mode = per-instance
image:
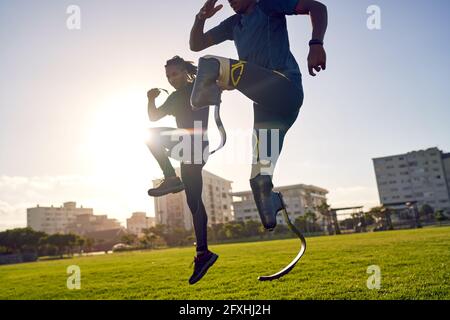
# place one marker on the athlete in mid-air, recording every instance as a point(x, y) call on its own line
point(266, 72)
point(164, 143)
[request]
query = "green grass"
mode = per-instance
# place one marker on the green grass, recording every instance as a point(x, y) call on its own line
point(414, 265)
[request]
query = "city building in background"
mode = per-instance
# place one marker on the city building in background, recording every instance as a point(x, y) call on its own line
point(299, 198)
point(172, 209)
point(69, 219)
point(138, 222)
point(420, 177)
point(84, 224)
point(54, 219)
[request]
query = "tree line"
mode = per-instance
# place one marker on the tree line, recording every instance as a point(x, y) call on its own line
point(314, 222)
point(164, 236)
point(27, 240)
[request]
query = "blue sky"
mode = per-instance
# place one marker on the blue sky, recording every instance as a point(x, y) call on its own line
point(73, 105)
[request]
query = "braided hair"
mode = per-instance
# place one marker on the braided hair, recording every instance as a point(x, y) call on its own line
point(184, 65)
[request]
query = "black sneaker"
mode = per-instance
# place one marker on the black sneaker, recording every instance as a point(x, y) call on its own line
point(168, 185)
point(201, 265)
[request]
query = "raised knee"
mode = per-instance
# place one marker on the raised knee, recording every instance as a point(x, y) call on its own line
point(224, 70)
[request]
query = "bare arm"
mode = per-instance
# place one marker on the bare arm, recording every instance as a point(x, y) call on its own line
point(154, 114)
point(198, 39)
point(319, 18)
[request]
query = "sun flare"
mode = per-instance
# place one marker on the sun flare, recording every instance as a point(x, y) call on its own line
point(118, 135)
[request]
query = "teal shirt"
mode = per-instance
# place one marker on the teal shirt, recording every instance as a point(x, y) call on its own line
point(261, 37)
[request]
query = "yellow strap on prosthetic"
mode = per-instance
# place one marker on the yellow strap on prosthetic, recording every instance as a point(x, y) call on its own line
point(235, 78)
point(228, 72)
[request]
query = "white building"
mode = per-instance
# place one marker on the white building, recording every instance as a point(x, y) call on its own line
point(138, 222)
point(172, 209)
point(298, 198)
point(422, 176)
point(54, 219)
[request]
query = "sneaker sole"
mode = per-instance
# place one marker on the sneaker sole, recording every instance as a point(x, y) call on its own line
point(172, 190)
point(204, 270)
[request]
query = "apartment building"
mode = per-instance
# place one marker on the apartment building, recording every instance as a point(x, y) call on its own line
point(138, 222)
point(87, 223)
point(298, 198)
point(54, 219)
point(172, 209)
point(421, 176)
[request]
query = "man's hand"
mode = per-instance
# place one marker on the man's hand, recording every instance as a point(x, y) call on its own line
point(317, 59)
point(153, 94)
point(209, 10)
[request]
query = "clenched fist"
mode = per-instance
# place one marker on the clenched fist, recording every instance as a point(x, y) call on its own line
point(317, 59)
point(153, 94)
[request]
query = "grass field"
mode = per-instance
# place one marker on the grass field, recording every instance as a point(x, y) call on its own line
point(415, 264)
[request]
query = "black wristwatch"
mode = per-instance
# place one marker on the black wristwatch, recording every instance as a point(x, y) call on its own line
point(315, 41)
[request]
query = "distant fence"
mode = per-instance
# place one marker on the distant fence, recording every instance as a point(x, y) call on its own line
point(397, 224)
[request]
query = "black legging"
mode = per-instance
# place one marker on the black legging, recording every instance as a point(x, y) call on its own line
point(161, 145)
point(277, 101)
point(191, 174)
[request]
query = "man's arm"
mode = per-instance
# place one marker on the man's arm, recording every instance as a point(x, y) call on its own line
point(199, 40)
point(319, 16)
point(319, 19)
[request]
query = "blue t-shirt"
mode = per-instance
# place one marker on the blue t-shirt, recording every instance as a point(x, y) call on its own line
point(261, 37)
